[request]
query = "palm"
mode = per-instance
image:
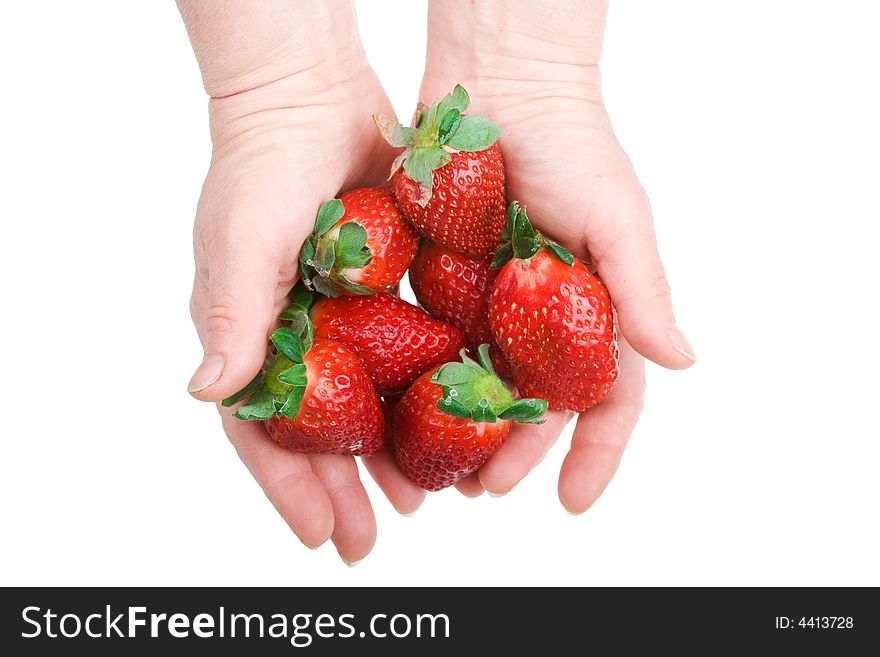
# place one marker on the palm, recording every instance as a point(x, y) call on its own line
point(270, 171)
point(563, 162)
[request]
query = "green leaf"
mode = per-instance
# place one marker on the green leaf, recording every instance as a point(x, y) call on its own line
point(306, 333)
point(301, 299)
point(351, 246)
point(512, 209)
point(291, 405)
point(485, 360)
point(325, 255)
point(502, 256)
point(454, 373)
point(325, 286)
point(300, 295)
point(307, 259)
point(398, 162)
point(418, 167)
point(288, 344)
point(292, 313)
point(470, 362)
point(451, 407)
point(394, 133)
point(528, 411)
point(295, 376)
point(474, 133)
point(524, 240)
point(261, 407)
point(448, 125)
point(560, 252)
point(302, 326)
point(329, 213)
point(245, 392)
point(483, 412)
point(458, 99)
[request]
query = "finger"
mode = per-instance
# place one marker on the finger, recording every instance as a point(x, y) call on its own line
point(600, 436)
point(234, 306)
point(287, 479)
point(470, 486)
point(622, 242)
point(525, 448)
point(403, 494)
point(354, 531)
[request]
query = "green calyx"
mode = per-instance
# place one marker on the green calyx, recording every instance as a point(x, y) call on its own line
point(279, 388)
point(439, 130)
point(330, 250)
point(472, 391)
point(519, 239)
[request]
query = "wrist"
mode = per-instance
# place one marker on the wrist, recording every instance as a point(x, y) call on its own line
point(247, 45)
point(504, 43)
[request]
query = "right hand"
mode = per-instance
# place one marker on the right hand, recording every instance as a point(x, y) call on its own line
point(280, 150)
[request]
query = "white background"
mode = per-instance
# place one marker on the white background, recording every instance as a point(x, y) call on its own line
point(754, 126)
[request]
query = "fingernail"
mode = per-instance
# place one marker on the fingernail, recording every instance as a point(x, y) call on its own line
point(208, 373)
point(491, 494)
point(575, 513)
point(351, 564)
point(680, 344)
point(408, 515)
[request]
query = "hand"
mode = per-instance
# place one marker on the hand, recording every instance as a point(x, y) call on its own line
point(280, 150)
point(564, 163)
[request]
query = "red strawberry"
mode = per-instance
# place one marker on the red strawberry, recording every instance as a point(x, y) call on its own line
point(396, 340)
point(553, 319)
point(455, 288)
point(360, 244)
point(316, 397)
point(453, 419)
point(451, 184)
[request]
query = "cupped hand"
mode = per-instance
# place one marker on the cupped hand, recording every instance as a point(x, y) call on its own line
point(280, 150)
point(564, 163)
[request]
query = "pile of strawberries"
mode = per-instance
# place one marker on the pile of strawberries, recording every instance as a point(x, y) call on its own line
point(353, 366)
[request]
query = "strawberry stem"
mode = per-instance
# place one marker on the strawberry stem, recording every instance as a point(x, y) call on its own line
point(279, 389)
point(520, 240)
point(471, 390)
point(333, 248)
point(439, 129)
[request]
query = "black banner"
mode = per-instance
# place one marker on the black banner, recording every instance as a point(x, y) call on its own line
point(434, 621)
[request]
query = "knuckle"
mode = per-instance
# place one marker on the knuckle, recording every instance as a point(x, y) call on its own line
point(288, 274)
point(194, 307)
point(658, 287)
point(221, 319)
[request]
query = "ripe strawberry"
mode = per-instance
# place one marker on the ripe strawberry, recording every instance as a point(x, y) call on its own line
point(553, 319)
point(396, 340)
point(360, 245)
point(315, 397)
point(455, 288)
point(451, 184)
point(453, 419)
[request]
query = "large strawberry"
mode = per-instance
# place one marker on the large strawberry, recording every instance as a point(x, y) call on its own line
point(553, 319)
point(396, 340)
point(315, 397)
point(453, 419)
point(455, 288)
point(449, 180)
point(360, 244)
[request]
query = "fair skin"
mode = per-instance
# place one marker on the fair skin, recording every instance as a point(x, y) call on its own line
point(291, 99)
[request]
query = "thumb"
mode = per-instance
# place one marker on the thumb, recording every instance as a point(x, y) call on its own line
point(234, 310)
point(624, 247)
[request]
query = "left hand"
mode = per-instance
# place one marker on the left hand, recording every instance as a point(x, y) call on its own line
point(564, 163)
